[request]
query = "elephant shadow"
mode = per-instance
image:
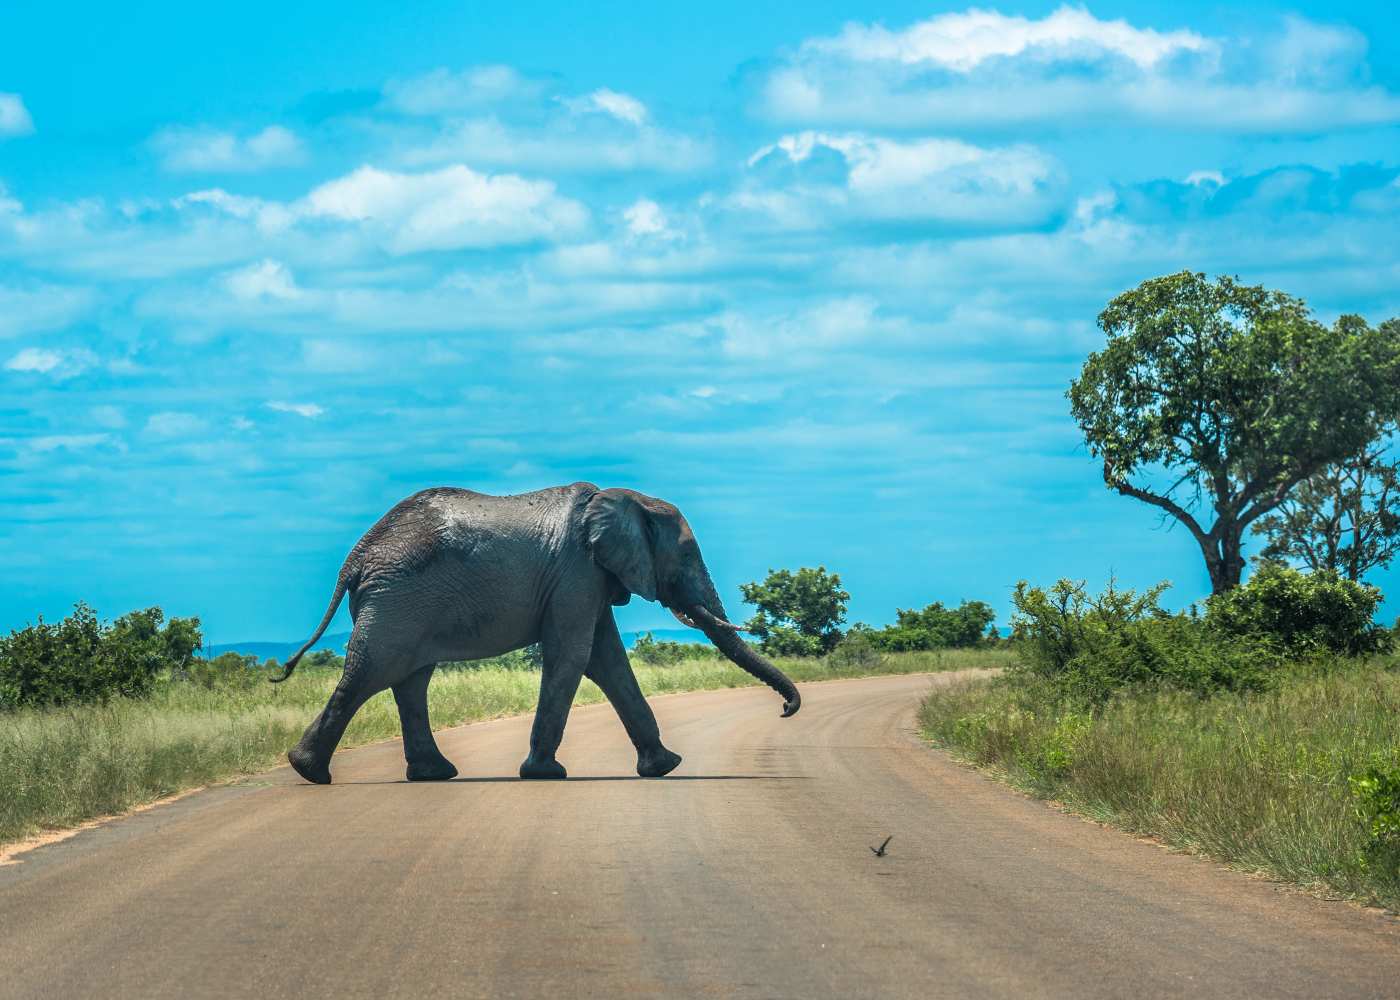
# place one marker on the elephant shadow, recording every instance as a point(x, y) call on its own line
point(513, 779)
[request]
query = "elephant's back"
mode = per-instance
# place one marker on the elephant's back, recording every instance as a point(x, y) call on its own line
point(448, 522)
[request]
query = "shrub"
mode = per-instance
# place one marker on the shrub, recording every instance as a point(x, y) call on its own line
point(1376, 792)
point(227, 670)
point(663, 653)
point(1089, 647)
point(937, 627)
point(529, 657)
point(78, 659)
point(1305, 613)
point(855, 651)
point(799, 614)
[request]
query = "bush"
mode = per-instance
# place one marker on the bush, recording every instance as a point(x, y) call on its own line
point(1304, 613)
point(78, 659)
point(1089, 647)
point(225, 671)
point(799, 614)
point(663, 653)
point(855, 651)
point(1376, 792)
point(529, 657)
point(937, 627)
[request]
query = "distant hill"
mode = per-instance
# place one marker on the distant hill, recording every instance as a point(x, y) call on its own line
point(263, 649)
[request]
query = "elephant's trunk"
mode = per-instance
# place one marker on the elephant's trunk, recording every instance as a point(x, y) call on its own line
point(726, 638)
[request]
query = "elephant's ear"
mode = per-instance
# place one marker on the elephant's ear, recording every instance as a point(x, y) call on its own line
point(621, 542)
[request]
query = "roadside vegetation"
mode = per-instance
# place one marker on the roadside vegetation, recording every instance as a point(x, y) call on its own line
point(1277, 752)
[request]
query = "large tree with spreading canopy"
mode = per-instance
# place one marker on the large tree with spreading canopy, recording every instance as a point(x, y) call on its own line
point(1215, 399)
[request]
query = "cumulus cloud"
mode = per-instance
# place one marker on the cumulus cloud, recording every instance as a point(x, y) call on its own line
point(443, 91)
point(267, 279)
point(205, 150)
point(644, 217)
point(447, 209)
point(983, 68)
point(567, 142)
point(14, 116)
point(623, 107)
point(811, 178)
point(56, 363)
point(308, 410)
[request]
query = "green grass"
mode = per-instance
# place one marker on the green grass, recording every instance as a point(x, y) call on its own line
point(1258, 781)
point(59, 767)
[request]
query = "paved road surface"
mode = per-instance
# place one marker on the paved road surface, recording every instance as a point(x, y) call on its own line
point(747, 873)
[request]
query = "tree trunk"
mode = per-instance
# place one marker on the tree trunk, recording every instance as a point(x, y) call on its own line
point(1224, 558)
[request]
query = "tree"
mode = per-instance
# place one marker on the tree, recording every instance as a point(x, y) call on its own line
point(798, 614)
point(936, 627)
point(1232, 393)
point(1345, 519)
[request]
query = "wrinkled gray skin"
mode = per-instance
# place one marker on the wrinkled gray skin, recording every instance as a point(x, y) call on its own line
point(449, 574)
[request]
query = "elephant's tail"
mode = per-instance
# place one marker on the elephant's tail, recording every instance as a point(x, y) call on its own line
point(341, 586)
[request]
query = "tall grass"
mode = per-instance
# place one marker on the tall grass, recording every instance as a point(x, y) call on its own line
point(1259, 781)
point(59, 767)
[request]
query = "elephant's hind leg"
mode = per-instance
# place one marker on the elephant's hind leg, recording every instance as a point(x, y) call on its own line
point(425, 760)
point(367, 672)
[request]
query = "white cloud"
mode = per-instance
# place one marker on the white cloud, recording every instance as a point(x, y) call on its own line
point(338, 356)
point(806, 337)
point(1203, 178)
point(644, 217)
point(962, 42)
point(202, 150)
point(308, 410)
point(59, 364)
point(983, 68)
point(173, 424)
point(594, 143)
point(14, 116)
point(268, 279)
point(34, 308)
point(623, 107)
point(66, 442)
point(897, 180)
point(448, 209)
point(443, 91)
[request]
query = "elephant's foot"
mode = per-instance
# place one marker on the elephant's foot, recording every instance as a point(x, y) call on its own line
point(542, 768)
point(304, 762)
point(438, 769)
point(658, 762)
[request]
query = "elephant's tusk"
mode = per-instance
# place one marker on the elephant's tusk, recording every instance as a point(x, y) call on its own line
point(703, 613)
point(683, 619)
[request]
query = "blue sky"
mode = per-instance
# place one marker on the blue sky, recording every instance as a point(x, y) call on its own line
point(817, 273)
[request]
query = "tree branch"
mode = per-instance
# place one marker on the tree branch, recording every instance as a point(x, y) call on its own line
point(1171, 507)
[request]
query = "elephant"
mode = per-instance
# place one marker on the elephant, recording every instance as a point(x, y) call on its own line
point(452, 574)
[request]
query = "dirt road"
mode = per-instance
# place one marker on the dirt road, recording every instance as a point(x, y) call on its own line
point(746, 873)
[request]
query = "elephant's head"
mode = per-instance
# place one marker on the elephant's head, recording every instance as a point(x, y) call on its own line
point(649, 548)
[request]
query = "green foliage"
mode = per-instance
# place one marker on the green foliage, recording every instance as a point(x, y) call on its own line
point(856, 650)
point(1087, 647)
point(1301, 781)
point(1303, 613)
point(1234, 391)
point(662, 653)
point(527, 658)
point(78, 659)
point(937, 627)
point(1376, 791)
point(1346, 518)
point(227, 670)
point(799, 614)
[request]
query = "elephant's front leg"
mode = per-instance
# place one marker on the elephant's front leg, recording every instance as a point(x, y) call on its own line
point(566, 642)
point(425, 760)
point(610, 669)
